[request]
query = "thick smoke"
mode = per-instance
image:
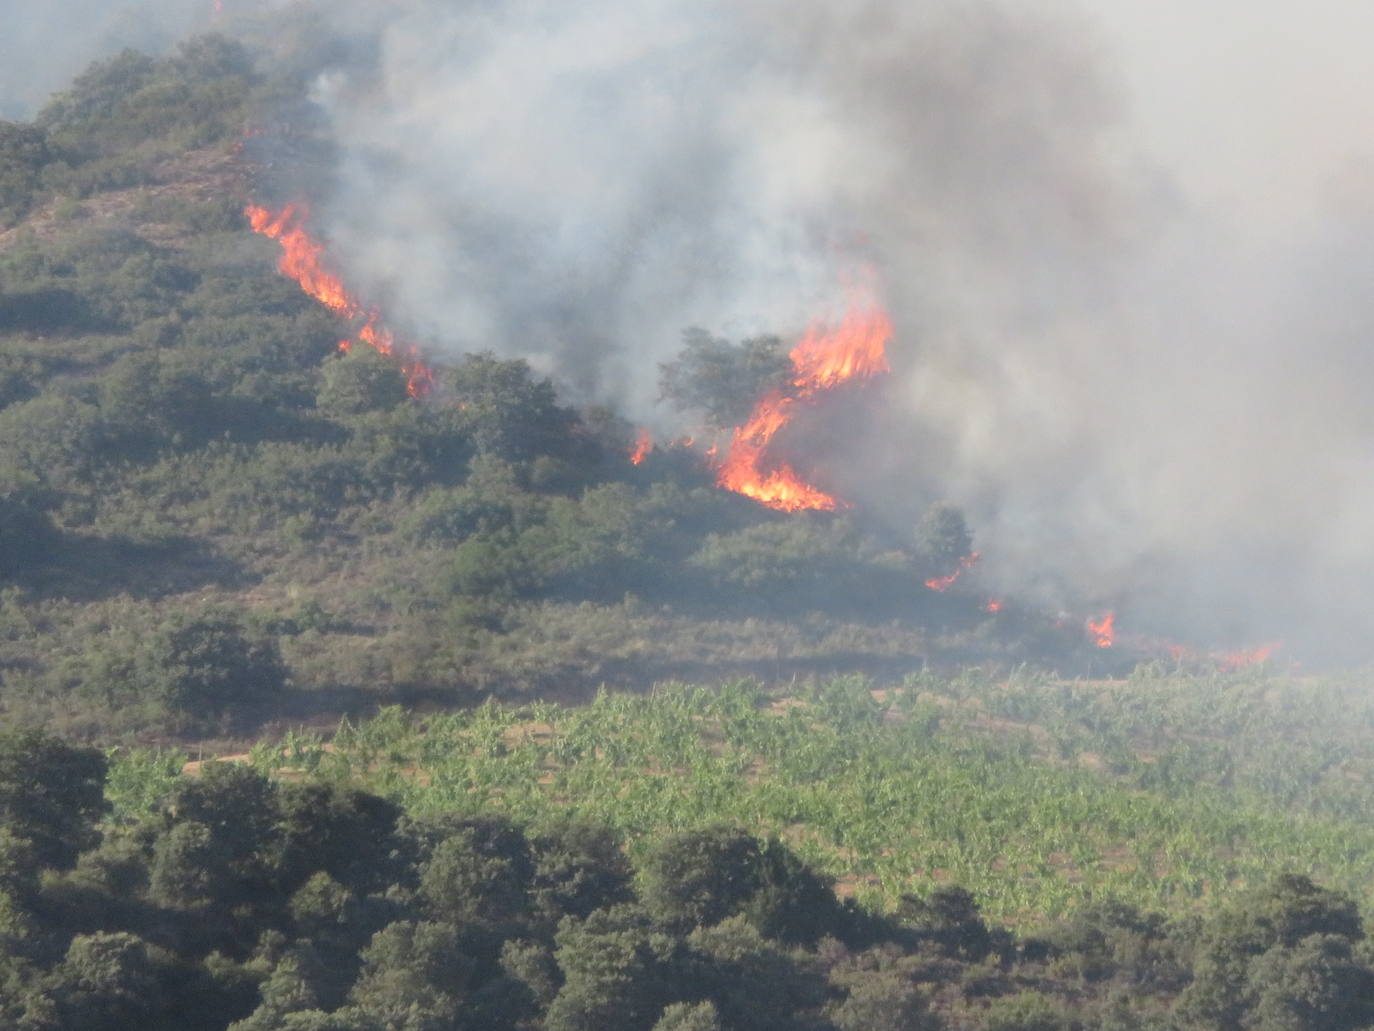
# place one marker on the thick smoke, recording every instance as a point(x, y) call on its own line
point(1141, 400)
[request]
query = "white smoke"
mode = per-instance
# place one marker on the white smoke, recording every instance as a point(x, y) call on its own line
point(1146, 392)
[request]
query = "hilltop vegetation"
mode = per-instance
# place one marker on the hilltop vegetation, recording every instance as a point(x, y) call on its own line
point(184, 454)
point(214, 527)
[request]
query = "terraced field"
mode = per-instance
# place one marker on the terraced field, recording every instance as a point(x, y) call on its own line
point(1035, 793)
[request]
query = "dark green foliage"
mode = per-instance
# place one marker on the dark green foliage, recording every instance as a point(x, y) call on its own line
point(478, 874)
point(147, 402)
point(51, 795)
point(510, 414)
point(883, 1001)
point(202, 667)
point(1259, 933)
point(23, 153)
point(106, 982)
point(26, 531)
point(1317, 983)
point(700, 877)
point(415, 975)
point(360, 381)
point(219, 845)
point(618, 972)
point(346, 833)
point(723, 380)
point(578, 867)
point(949, 918)
point(753, 982)
point(808, 563)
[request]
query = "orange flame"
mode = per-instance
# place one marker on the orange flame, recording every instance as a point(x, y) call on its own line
point(993, 605)
point(820, 362)
point(1104, 630)
point(643, 445)
point(301, 260)
point(1232, 661)
point(943, 583)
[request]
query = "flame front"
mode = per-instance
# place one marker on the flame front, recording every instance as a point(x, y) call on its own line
point(820, 362)
point(944, 583)
point(301, 260)
point(1104, 630)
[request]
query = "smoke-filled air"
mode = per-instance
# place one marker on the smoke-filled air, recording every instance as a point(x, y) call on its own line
point(1123, 258)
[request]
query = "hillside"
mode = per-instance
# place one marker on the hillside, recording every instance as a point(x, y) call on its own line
point(190, 464)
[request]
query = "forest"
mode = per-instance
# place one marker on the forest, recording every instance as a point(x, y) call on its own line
point(514, 732)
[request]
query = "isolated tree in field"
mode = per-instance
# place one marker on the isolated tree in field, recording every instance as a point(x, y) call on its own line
point(211, 664)
point(721, 379)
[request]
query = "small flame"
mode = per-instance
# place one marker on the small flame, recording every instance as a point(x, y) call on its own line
point(1232, 661)
point(301, 260)
point(943, 583)
point(993, 605)
point(1104, 630)
point(820, 362)
point(643, 445)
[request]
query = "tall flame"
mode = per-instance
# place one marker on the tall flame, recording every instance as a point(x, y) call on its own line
point(820, 362)
point(301, 260)
point(644, 443)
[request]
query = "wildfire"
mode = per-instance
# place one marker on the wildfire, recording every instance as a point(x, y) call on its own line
point(993, 605)
point(1232, 661)
point(820, 362)
point(643, 445)
point(943, 583)
point(301, 260)
point(1104, 630)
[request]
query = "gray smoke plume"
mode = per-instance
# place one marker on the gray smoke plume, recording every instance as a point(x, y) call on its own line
point(1146, 393)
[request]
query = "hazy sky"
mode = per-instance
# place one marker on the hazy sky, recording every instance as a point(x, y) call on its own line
point(1260, 106)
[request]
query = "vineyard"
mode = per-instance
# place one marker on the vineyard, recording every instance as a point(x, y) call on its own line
point(1038, 795)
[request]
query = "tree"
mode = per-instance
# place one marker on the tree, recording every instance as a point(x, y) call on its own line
point(51, 795)
point(698, 878)
point(721, 379)
point(617, 972)
point(1276, 916)
point(209, 664)
point(511, 414)
point(108, 981)
point(415, 975)
point(348, 834)
point(1317, 983)
point(219, 841)
point(882, 1001)
point(360, 381)
point(578, 867)
point(23, 153)
point(942, 537)
point(479, 874)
